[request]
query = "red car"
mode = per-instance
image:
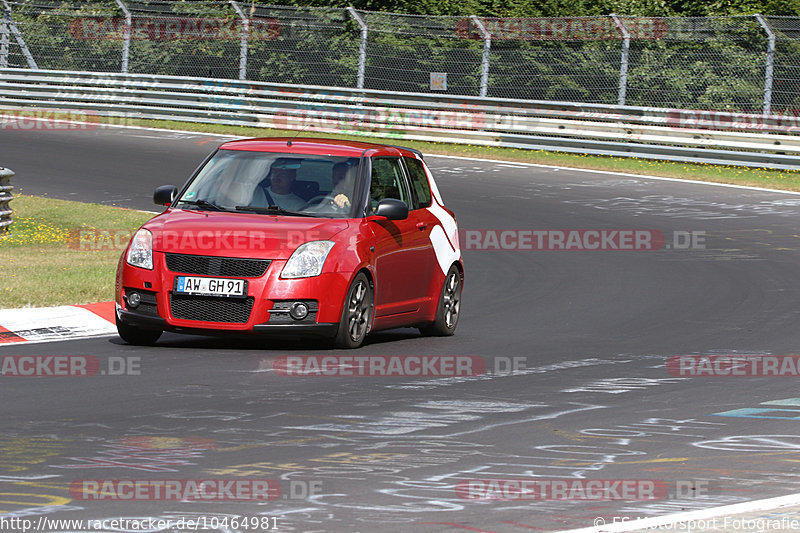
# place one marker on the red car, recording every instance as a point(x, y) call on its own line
point(295, 236)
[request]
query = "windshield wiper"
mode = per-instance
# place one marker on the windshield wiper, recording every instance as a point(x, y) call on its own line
point(205, 204)
point(276, 209)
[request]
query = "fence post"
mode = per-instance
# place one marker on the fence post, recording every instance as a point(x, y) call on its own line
point(768, 72)
point(245, 37)
point(362, 47)
point(3, 40)
point(623, 66)
point(487, 47)
point(9, 22)
point(5, 197)
point(126, 36)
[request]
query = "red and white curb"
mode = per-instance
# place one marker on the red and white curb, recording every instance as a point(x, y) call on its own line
point(45, 324)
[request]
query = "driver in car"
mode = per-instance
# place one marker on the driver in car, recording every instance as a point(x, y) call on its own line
point(279, 192)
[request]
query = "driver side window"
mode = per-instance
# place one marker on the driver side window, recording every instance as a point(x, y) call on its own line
point(387, 181)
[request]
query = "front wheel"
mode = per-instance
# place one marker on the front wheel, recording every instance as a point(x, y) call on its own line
point(449, 306)
point(356, 315)
point(136, 336)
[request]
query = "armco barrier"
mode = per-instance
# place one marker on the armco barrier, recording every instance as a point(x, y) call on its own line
point(754, 140)
point(5, 197)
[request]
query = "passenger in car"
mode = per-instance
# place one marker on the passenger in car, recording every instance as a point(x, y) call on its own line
point(341, 185)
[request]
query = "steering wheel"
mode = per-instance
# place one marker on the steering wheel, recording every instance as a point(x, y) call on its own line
point(323, 202)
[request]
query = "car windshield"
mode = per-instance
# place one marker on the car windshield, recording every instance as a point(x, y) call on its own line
point(274, 183)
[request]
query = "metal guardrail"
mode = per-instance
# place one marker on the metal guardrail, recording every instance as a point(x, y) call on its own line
point(5, 197)
point(754, 140)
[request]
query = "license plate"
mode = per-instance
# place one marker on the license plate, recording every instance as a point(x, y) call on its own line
point(234, 288)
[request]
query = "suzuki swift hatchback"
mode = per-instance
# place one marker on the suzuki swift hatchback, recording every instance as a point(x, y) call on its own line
point(295, 236)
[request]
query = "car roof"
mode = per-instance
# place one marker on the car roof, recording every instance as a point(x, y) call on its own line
point(315, 146)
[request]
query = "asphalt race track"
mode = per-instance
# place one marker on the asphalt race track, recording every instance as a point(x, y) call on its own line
point(591, 398)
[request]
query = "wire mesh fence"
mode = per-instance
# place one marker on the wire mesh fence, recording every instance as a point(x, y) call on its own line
point(744, 64)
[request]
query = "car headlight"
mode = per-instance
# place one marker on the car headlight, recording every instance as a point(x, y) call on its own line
point(140, 252)
point(307, 260)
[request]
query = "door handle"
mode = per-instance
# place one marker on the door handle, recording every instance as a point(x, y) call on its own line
point(421, 226)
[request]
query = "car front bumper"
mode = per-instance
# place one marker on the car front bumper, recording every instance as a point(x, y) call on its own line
point(263, 311)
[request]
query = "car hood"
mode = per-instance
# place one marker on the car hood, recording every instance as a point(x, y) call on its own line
point(237, 234)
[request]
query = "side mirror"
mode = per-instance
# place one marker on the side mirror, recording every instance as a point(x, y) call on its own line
point(392, 209)
point(165, 194)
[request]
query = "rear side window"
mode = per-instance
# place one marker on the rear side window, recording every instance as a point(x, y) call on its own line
point(419, 182)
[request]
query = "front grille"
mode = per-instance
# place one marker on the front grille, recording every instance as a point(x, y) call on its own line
point(211, 309)
point(206, 265)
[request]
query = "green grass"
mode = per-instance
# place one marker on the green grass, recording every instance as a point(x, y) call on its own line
point(43, 262)
point(772, 179)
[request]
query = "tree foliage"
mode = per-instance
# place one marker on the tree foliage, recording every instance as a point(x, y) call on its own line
point(562, 8)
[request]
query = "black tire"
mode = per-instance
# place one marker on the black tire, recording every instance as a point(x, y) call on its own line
point(137, 337)
point(449, 307)
point(356, 314)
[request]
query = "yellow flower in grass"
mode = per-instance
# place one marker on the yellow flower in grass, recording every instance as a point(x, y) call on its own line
point(26, 230)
